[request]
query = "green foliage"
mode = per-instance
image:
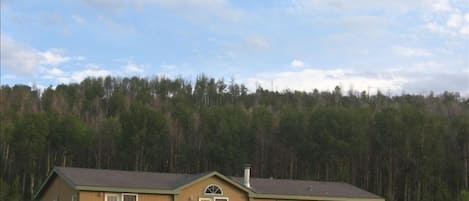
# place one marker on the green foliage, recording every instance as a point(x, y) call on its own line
point(464, 196)
point(406, 148)
point(29, 138)
point(10, 190)
point(144, 135)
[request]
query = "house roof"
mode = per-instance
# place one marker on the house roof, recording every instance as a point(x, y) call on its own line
point(306, 188)
point(172, 183)
point(128, 179)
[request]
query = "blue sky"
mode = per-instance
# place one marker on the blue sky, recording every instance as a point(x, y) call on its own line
point(397, 46)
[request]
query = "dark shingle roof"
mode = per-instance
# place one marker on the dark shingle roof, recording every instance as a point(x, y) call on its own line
point(127, 179)
point(171, 181)
point(306, 188)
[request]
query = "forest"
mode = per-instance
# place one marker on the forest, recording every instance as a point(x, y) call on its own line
point(407, 147)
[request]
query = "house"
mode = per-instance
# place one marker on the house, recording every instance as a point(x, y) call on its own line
point(82, 184)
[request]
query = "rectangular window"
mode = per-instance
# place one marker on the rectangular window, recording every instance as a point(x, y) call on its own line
point(205, 199)
point(111, 197)
point(75, 197)
point(129, 197)
point(220, 199)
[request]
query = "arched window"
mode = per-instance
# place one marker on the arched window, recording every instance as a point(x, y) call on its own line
point(213, 189)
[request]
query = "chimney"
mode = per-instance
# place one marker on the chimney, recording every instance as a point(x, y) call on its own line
point(247, 173)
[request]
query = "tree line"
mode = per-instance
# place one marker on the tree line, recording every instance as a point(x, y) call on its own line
point(404, 148)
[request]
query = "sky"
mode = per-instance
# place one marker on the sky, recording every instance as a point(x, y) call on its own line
point(395, 46)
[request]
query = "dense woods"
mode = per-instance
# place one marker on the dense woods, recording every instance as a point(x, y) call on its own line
point(404, 148)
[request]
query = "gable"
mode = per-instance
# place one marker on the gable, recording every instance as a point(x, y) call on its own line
point(55, 188)
point(196, 190)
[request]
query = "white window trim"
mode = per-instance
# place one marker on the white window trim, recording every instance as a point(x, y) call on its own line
point(111, 194)
point(205, 190)
point(136, 196)
point(75, 197)
point(224, 198)
point(205, 199)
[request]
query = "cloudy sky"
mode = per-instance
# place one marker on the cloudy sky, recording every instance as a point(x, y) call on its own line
point(396, 46)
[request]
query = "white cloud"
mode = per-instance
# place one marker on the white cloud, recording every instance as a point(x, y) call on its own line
point(455, 20)
point(132, 67)
point(464, 25)
point(66, 77)
point(410, 52)
point(53, 57)
point(464, 30)
point(26, 61)
point(51, 74)
point(455, 27)
point(414, 78)
point(437, 28)
point(419, 68)
point(441, 5)
point(297, 63)
point(383, 5)
point(444, 17)
point(78, 76)
point(421, 77)
point(55, 72)
point(309, 79)
point(18, 57)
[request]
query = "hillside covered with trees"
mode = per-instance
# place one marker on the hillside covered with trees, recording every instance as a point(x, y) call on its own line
point(404, 148)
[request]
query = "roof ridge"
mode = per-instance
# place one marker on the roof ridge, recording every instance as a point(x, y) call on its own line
point(129, 171)
point(195, 175)
point(296, 180)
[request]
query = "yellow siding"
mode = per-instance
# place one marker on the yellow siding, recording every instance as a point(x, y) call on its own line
point(263, 199)
point(99, 196)
point(58, 189)
point(154, 197)
point(196, 190)
point(91, 196)
point(267, 199)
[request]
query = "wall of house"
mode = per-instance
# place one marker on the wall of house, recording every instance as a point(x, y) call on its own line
point(196, 190)
point(91, 196)
point(153, 197)
point(99, 196)
point(58, 190)
point(263, 199)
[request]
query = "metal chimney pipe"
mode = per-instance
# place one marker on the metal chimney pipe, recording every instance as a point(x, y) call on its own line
point(247, 174)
